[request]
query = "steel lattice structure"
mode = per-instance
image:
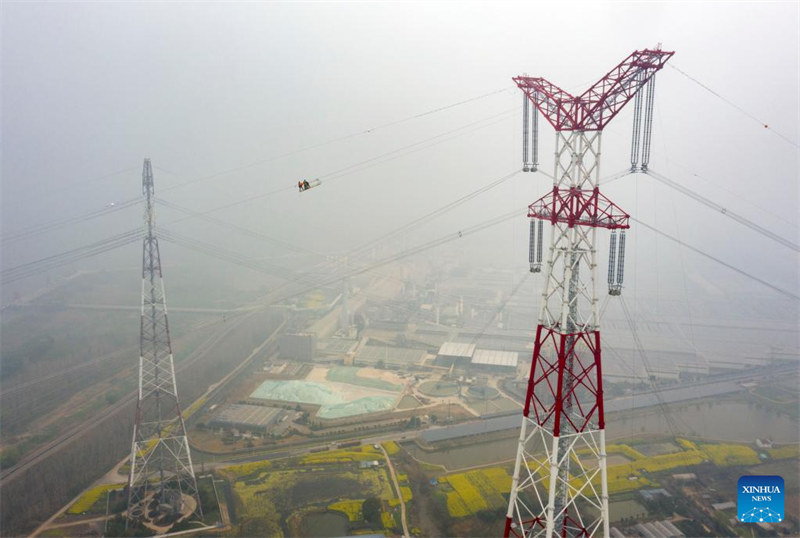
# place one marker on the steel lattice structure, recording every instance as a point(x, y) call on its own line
point(560, 485)
point(161, 479)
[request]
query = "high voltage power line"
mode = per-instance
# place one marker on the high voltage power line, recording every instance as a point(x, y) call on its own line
point(705, 254)
point(435, 213)
point(339, 138)
point(722, 210)
point(39, 266)
point(50, 262)
point(37, 229)
point(372, 161)
point(75, 219)
point(734, 105)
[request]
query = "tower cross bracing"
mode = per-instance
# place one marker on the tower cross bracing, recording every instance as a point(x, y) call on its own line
point(161, 482)
point(560, 484)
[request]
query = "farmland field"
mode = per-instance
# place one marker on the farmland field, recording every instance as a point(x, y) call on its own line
point(469, 493)
point(316, 494)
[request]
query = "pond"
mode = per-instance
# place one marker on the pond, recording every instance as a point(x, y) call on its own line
point(324, 525)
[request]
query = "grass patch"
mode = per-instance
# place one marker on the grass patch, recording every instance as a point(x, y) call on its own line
point(363, 453)
point(349, 374)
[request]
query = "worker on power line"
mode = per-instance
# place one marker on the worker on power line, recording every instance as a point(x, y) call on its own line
point(304, 185)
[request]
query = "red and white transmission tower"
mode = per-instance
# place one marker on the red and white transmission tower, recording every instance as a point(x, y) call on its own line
point(560, 485)
point(161, 484)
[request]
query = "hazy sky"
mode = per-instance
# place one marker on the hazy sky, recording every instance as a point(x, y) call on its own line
point(217, 94)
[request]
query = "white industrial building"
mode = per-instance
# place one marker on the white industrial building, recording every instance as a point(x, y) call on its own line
point(490, 359)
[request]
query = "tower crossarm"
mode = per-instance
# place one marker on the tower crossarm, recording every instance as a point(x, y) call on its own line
point(557, 105)
point(598, 105)
point(574, 206)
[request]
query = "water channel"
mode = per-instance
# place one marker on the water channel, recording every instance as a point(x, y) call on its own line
point(731, 421)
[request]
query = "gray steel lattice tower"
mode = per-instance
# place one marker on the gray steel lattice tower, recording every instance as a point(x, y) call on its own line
point(161, 483)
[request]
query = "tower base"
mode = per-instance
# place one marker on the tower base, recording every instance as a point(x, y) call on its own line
point(559, 487)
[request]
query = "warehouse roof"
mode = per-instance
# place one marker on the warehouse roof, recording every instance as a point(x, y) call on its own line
point(490, 357)
point(251, 415)
point(457, 349)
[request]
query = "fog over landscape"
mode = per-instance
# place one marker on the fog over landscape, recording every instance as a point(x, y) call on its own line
point(408, 116)
point(224, 99)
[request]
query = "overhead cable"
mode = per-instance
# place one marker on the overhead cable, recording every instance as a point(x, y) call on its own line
point(337, 139)
point(361, 165)
point(723, 210)
point(435, 213)
point(717, 260)
point(40, 228)
point(50, 262)
point(734, 105)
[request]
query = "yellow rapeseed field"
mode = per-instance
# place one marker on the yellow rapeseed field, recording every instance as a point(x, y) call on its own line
point(499, 478)
point(349, 507)
point(90, 497)
point(387, 519)
point(364, 453)
point(788, 451)
point(456, 506)
point(391, 447)
point(625, 450)
point(189, 411)
point(246, 469)
point(725, 454)
point(476, 490)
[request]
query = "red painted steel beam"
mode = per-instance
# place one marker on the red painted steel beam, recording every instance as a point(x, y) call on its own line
point(594, 108)
point(579, 207)
point(580, 362)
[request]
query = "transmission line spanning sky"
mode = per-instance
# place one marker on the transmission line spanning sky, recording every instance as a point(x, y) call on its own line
point(235, 105)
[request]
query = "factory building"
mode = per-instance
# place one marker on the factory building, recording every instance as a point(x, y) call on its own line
point(464, 355)
point(454, 353)
point(495, 361)
point(254, 418)
point(298, 346)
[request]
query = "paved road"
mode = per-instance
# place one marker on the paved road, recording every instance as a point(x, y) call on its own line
point(50, 525)
point(399, 493)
